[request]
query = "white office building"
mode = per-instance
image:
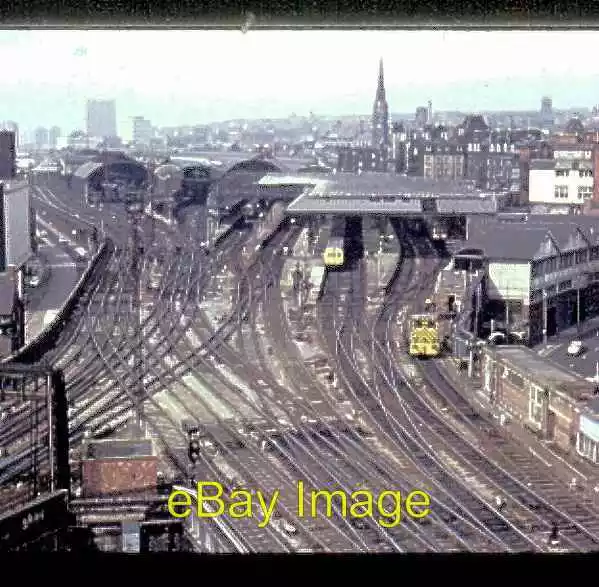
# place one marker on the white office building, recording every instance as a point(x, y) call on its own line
point(561, 184)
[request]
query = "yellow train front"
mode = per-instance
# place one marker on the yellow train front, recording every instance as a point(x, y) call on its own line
point(423, 336)
point(333, 254)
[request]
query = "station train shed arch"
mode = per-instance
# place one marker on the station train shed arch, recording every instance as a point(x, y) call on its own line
point(113, 168)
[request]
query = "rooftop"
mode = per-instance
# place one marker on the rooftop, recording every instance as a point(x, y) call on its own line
point(119, 449)
point(387, 193)
point(544, 373)
point(391, 184)
point(521, 240)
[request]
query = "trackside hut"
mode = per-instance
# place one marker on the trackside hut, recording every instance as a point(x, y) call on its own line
point(535, 393)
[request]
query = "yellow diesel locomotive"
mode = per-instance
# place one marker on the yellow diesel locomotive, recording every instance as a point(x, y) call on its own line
point(424, 336)
point(334, 252)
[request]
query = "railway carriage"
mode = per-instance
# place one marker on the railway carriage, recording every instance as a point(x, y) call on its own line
point(423, 336)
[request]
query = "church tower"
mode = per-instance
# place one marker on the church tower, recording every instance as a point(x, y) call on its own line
point(380, 116)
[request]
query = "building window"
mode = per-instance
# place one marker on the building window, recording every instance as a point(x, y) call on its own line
point(565, 285)
point(585, 191)
point(535, 405)
point(566, 260)
point(562, 172)
point(585, 173)
point(594, 253)
point(586, 447)
point(561, 191)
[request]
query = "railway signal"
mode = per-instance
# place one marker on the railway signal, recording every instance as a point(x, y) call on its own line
point(194, 450)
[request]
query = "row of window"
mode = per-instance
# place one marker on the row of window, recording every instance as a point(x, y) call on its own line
point(581, 172)
point(564, 261)
point(536, 295)
point(447, 159)
point(583, 192)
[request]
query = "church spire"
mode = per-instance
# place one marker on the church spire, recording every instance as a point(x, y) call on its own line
point(380, 114)
point(380, 90)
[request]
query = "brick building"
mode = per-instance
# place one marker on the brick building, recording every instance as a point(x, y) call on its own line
point(113, 467)
point(443, 161)
point(538, 395)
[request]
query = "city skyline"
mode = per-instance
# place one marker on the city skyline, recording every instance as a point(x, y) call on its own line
point(329, 73)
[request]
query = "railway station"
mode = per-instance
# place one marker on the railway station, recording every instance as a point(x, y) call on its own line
point(256, 321)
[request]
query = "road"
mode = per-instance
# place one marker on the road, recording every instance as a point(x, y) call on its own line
point(62, 276)
point(586, 363)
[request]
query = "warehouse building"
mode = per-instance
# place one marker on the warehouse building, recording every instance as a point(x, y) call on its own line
point(542, 272)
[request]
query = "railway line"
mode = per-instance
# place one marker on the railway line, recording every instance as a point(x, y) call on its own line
point(467, 528)
point(533, 514)
point(270, 422)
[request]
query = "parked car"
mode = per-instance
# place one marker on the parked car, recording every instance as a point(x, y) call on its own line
point(575, 348)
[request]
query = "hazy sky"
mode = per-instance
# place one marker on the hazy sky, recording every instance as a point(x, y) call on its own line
point(180, 77)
